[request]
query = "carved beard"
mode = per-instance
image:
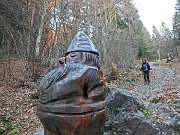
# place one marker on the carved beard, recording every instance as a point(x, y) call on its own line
point(77, 66)
point(71, 81)
point(72, 61)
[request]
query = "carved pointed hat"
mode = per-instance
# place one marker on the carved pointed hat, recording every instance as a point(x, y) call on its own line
point(81, 43)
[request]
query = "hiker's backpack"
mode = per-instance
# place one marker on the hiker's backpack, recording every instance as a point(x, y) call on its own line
point(145, 67)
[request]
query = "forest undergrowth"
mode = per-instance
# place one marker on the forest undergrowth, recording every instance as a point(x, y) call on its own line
point(18, 94)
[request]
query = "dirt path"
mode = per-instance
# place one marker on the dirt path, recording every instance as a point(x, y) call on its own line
point(163, 76)
point(162, 95)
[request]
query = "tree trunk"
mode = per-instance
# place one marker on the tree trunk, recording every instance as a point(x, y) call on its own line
point(159, 55)
point(178, 57)
point(176, 48)
point(38, 40)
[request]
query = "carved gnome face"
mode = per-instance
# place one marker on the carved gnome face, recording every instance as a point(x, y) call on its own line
point(82, 50)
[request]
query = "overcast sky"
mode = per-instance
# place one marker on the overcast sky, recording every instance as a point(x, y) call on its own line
point(152, 12)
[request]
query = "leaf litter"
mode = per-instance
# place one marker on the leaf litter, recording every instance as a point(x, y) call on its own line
point(17, 103)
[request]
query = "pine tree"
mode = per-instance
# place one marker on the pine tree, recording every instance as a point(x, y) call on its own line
point(176, 28)
point(167, 40)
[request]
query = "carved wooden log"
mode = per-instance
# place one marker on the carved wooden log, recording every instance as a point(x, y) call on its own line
point(73, 98)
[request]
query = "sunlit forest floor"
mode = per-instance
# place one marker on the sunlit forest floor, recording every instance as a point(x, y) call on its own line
point(18, 99)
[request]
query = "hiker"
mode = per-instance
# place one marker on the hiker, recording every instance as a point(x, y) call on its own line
point(145, 68)
point(169, 58)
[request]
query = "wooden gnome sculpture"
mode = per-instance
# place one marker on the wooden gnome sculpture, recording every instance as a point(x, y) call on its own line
point(72, 97)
